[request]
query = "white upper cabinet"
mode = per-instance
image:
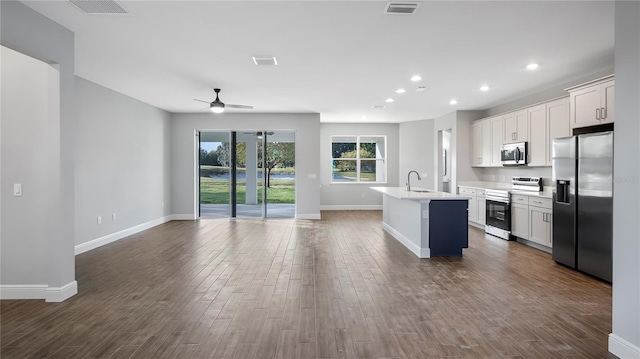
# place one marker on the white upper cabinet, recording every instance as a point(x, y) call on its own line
point(537, 151)
point(481, 146)
point(496, 141)
point(515, 127)
point(558, 124)
point(592, 103)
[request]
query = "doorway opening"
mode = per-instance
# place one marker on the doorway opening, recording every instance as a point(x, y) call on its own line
point(246, 174)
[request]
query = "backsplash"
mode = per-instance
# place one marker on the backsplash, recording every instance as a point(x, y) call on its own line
point(504, 174)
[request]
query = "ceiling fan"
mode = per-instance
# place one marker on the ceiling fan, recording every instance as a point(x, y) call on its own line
point(217, 106)
point(258, 134)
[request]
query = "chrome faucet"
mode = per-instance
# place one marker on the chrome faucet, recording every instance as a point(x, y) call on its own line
point(409, 179)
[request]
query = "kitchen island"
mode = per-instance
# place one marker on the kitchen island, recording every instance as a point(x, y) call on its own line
point(429, 223)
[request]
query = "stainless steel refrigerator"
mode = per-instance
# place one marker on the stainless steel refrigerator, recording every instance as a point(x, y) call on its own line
point(583, 203)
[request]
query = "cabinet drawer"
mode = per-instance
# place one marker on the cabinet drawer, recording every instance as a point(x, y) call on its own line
point(465, 190)
point(540, 202)
point(518, 198)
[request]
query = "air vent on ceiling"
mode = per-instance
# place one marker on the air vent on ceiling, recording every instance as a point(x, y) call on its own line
point(264, 60)
point(405, 8)
point(100, 7)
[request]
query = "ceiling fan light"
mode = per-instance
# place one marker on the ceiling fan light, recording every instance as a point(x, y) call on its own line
point(216, 108)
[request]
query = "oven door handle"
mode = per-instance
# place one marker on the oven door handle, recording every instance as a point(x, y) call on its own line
point(498, 199)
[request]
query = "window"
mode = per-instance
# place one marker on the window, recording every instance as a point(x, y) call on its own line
point(358, 159)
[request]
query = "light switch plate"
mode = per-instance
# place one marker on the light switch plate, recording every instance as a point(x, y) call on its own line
point(17, 189)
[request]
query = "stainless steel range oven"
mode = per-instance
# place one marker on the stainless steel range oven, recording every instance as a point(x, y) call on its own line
point(498, 213)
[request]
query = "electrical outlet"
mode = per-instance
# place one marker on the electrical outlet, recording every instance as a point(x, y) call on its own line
point(113, 217)
point(99, 220)
point(17, 189)
point(425, 175)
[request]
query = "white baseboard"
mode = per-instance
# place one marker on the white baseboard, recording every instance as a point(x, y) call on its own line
point(622, 348)
point(182, 217)
point(364, 207)
point(27, 291)
point(308, 216)
point(414, 248)
point(59, 294)
point(99, 242)
point(39, 291)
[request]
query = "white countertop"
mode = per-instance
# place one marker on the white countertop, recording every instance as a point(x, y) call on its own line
point(401, 193)
point(546, 193)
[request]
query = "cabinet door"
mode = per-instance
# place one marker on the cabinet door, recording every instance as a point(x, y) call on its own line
point(476, 148)
point(537, 150)
point(515, 127)
point(482, 210)
point(558, 124)
point(607, 90)
point(540, 225)
point(486, 143)
point(473, 209)
point(520, 220)
point(496, 141)
point(584, 104)
point(522, 128)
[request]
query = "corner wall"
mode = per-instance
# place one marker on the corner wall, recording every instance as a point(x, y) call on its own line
point(183, 154)
point(122, 165)
point(624, 341)
point(416, 152)
point(36, 36)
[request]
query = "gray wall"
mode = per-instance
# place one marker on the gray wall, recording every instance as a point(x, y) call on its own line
point(626, 195)
point(183, 150)
point(122, 162)
point(459, 122)
point(30, 33)
point(27, 120)
point(416, 152)
point(355, 195)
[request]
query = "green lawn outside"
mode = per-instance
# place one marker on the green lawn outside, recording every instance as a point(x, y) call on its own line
point(216, 191)
point(351, 175)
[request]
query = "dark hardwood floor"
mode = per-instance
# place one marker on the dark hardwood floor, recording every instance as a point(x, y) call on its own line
point(336, 288)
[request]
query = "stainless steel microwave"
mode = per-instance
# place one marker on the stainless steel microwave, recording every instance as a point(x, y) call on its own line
point(514, 154)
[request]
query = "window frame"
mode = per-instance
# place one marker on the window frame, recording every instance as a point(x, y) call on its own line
point(358, 160)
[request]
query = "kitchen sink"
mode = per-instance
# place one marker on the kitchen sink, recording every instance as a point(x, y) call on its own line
point(420, 190)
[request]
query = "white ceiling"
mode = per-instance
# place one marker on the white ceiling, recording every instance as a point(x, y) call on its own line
point(338, 58)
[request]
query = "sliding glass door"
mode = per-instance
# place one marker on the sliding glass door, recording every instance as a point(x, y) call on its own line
point(247, 174)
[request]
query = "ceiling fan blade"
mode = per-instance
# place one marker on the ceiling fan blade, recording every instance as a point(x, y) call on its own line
point(205, 109)
point(195, 99)
point(239, 106)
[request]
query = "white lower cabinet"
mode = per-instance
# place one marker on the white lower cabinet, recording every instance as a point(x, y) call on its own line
point(477, 204)
point(520, 220)
point(540, 225)
point(531, 218)
point(482, 208)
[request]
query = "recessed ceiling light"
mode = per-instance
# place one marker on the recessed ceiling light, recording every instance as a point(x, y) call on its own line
point(262, 61)
point(420, 89)
point(453, 102)
point(484, 88)
point(416, 78)
point(532, 66)
point(389, 100)
point(378, 106)
point(400, 91)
